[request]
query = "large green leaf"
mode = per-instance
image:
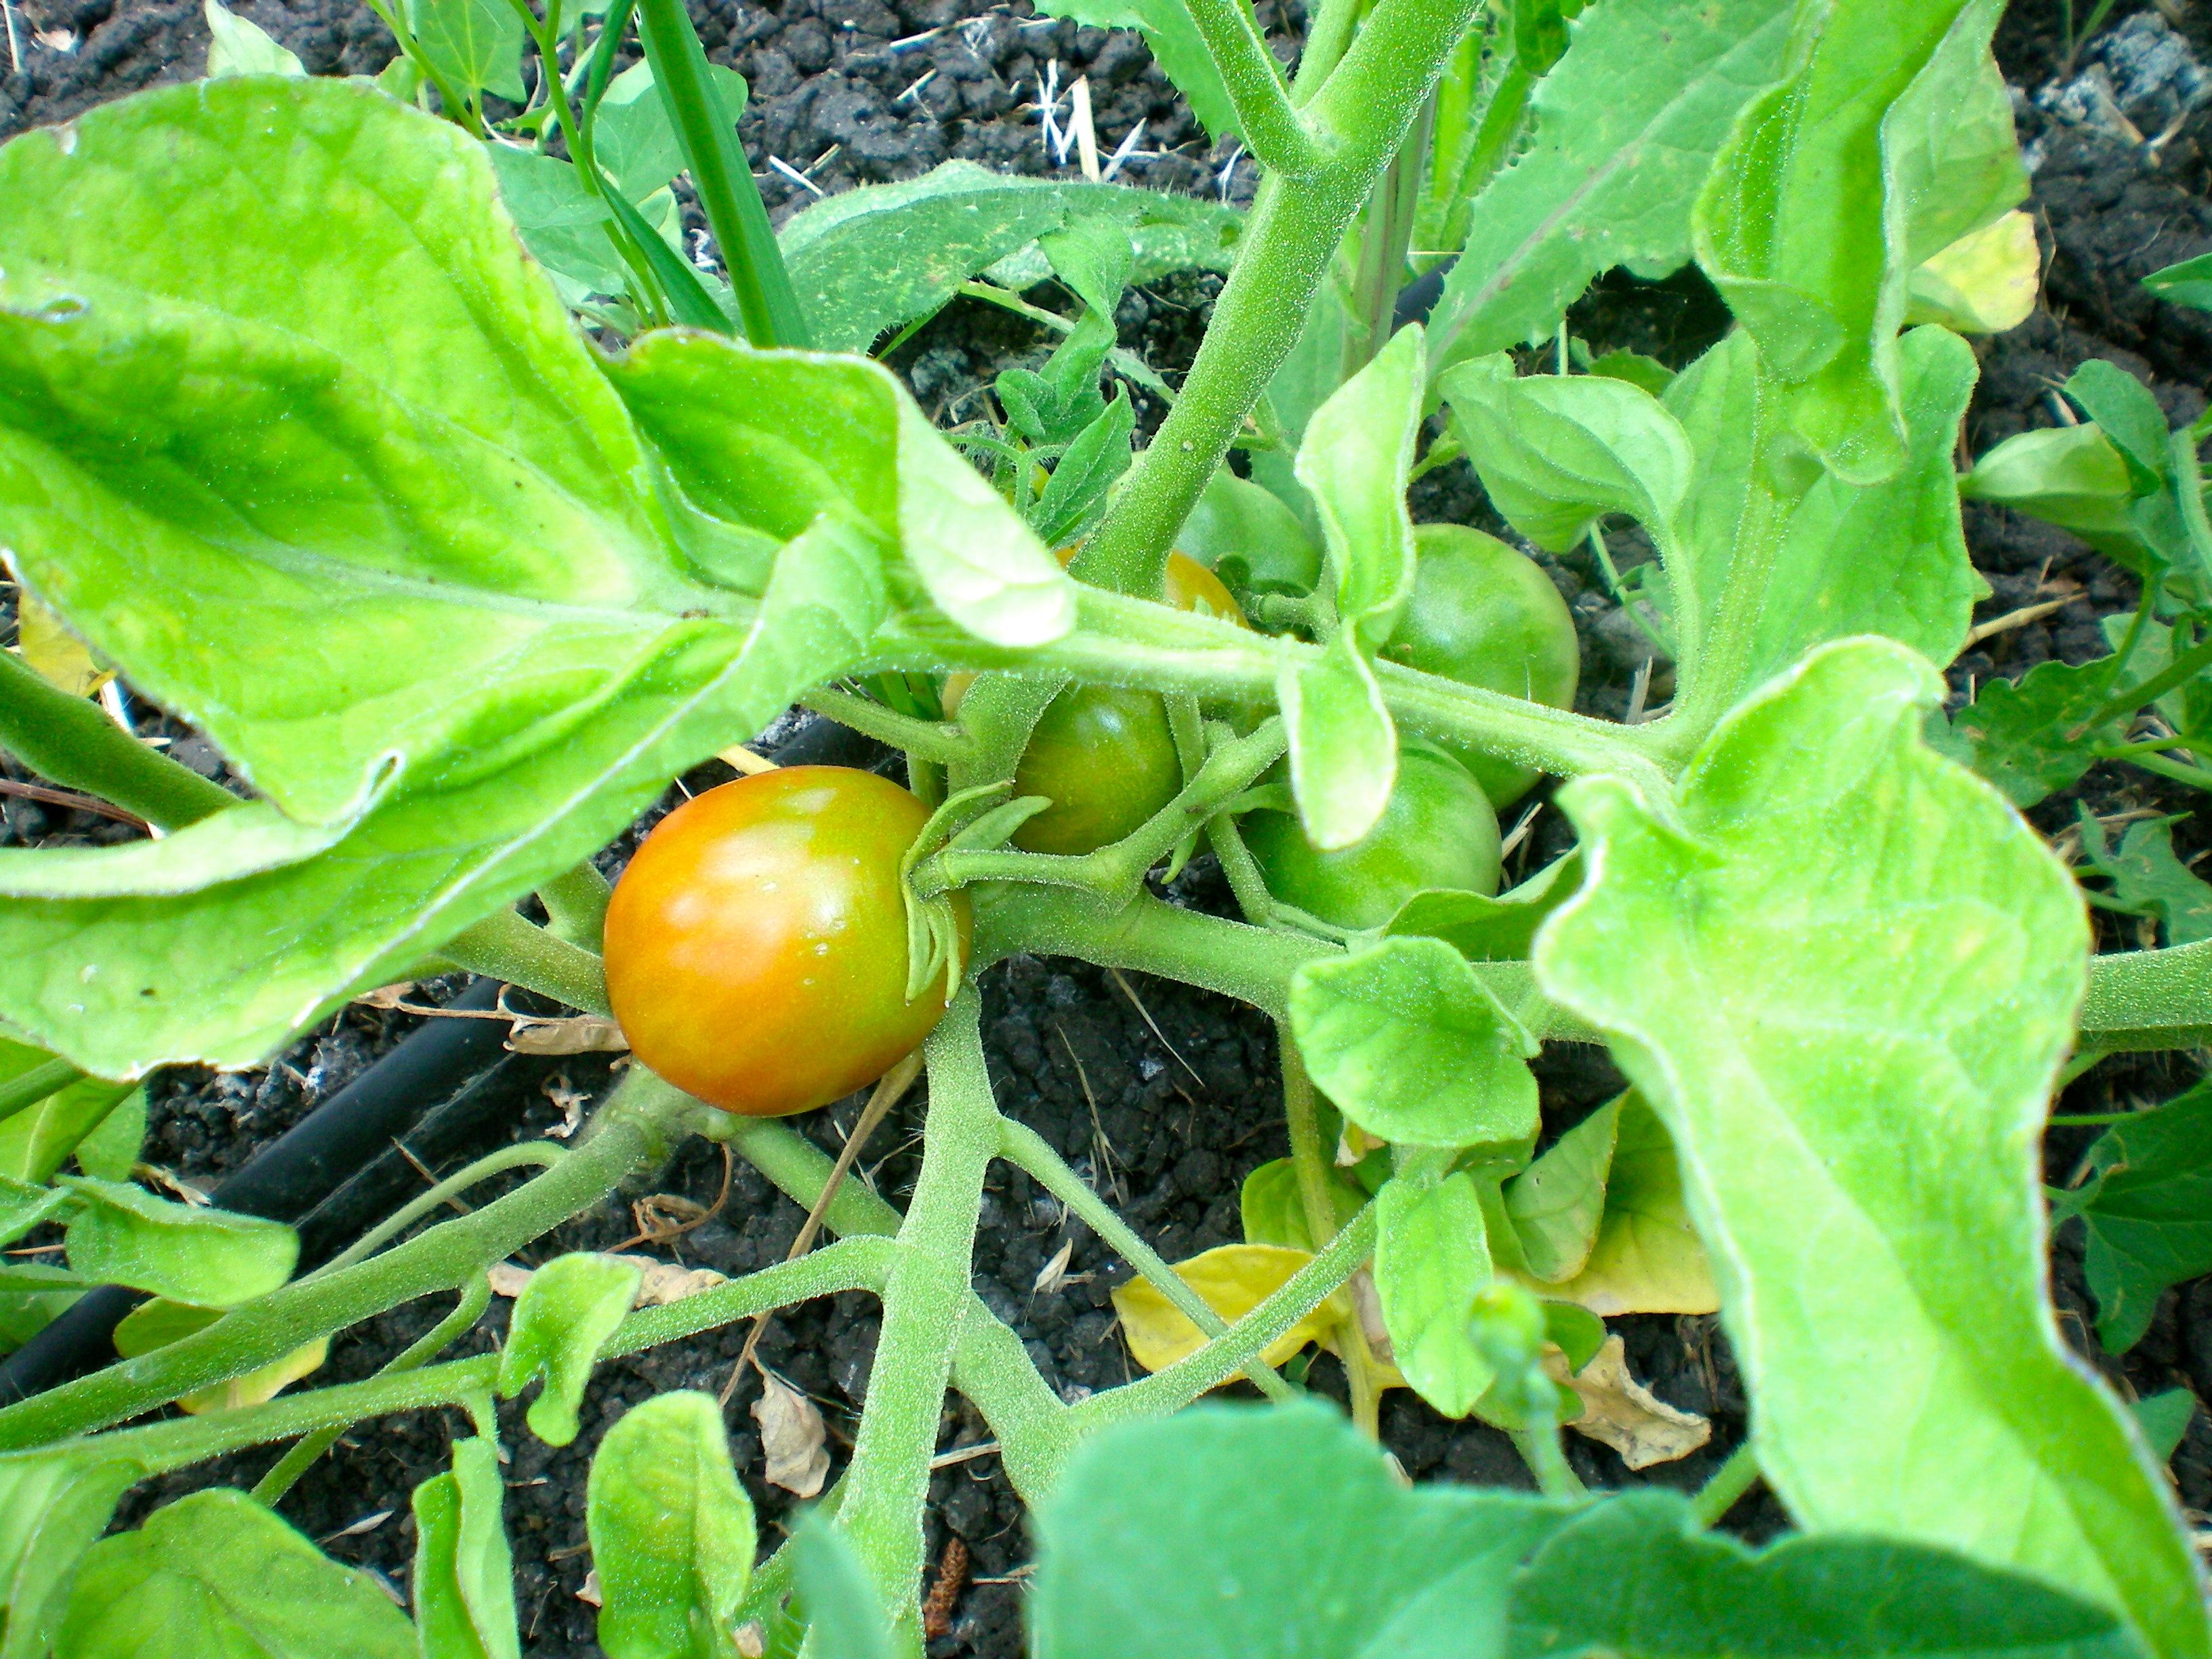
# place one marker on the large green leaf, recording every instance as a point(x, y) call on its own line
point(1881, 558)
point(280, 372)
point(1671, 1591)
point(1625, 128)
point(2149, 1212)
point(1844, 972)
point(53, 1506)
point(1890, 138)
point(671, 1531)
point(216, 1574)
point(1230, 1534)
point(869, 259)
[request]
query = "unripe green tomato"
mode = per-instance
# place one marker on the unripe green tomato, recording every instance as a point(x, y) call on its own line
point(1484, 615)
point(1106, 757)
point(1439, 831)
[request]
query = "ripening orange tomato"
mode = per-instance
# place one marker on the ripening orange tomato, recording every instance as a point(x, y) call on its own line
point(757, 945)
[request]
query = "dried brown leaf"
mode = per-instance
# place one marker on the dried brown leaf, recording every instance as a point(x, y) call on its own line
point(793, 1437)
point(1620, 1412)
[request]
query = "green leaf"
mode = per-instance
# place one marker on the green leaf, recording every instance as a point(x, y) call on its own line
point(563, 224)
point(1890, 138)
point(463, 1579)
point(1273, 1211)
point(109, 1150)
point(2147, 879)
point(32, 1298)
point(671, 1531)
point(1646, 1258)
point(631, 137)
point(1672, 1591)
point(1626, 129)
point(768, 441)
point(23, 1206)
point(1344, 749)
point(2150, 1214)
point(1245, 535)
point(476, 44)
point(2068, 476)
point(1228, 1532)
point(38, 1140)
point(1413, 1048)
point(1485, 929)
point(2189, 283)
point(1075, 497)
point(1985, 283)
point(216, 1573)
point(2032, 739)
point(1558, 1202)
point(867, 260)
point(1094, 255)
point(844, 1620)
point(1355, 460)
point(237, 46)
point(2165, 1419)
point(53, 1506)
point(1844, 974)
point(562, 1320)
point(124, 1235)
point(1432, 1257)
point(2125, 410)
point(1556, 454)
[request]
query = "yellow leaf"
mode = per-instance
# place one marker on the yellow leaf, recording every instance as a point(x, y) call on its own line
point(58, 656)
point(1620, 1412)
point(1982, 283)
point(1647, 1258)
point(1231, 1280)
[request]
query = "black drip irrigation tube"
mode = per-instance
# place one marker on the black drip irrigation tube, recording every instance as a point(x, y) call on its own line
point(337, 1171)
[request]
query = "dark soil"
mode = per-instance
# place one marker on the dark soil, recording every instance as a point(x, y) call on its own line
point(1167, 1122)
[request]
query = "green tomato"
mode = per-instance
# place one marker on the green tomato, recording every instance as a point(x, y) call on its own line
point(1484, 615)
point(1439, 831)
point(1106, 757)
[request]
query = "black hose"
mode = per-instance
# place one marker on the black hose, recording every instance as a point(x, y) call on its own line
point(334, 1173)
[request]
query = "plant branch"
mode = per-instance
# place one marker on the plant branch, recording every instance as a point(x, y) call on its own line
point(2141, 1000)
point(631, 1132)
point(1272, 127)
point(1216, 1363)
point(504, 946)
point(543, 1154)
point(1309, 1160)
point(1025, 1149)
point(1361, 114)
point(67, 740)
point(943, 742)
point(27, 1088)
point(1729, 1483)
point(576, 906)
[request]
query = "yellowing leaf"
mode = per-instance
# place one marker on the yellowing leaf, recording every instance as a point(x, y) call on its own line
point(161, 1321)
point(1232, 1281)
point(1620, 1412)
point(1647, 1257)
point(58, 656)
point(1984, 283)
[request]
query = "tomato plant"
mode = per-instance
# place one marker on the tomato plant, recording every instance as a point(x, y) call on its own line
point(416, 466)
point(756, 943)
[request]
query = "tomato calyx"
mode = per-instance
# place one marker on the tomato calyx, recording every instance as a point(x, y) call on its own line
point(979, 820)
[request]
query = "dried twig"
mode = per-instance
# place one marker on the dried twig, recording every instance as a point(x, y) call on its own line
point(71, 800)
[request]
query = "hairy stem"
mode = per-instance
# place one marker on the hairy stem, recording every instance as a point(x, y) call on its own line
point(504, 946)
point(1272, 129)
point(1309, 1160)
point(69, 741)
point(543, 1154)
point(27, 1088)
point(940, 742)
point(1025, 1149)
point(1729, 1483)
point(629, 1134)
point(576, 906)
point(925, 1299)
point(2147, 999)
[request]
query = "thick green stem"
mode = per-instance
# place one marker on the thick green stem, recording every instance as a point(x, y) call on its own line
point(1309, 1160)
point(1272, 127)
point(1361, 113)
point(1730, 1482)
point(27, 1088)
point(925, 1299)
point(861, 1263)
point(576, 906)
point(1215, 1364)
point(629, 1133)
point(504, 946)
point(1026, 1149)
point(69, 741)
point(937, 741)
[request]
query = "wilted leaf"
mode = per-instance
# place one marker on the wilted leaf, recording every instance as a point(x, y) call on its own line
point(464, 1578)
point(1233, 1280)
point(1558, 1202)
point(1620, 1412)
point(60, 657)
point(793, 1437)
point(584, 1034)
